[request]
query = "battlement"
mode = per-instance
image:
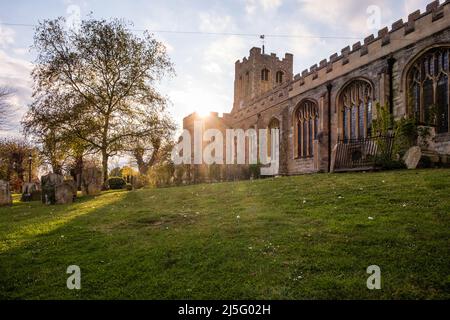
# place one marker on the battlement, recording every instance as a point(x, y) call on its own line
point(211, 118)
point(256, 53)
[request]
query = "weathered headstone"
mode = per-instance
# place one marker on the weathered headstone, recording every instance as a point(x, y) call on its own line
point(92, 181)
point(31, 192)
point(412, 157)
point(49, 183)
point(64, 193)
point(5, 194)
point(73, 184)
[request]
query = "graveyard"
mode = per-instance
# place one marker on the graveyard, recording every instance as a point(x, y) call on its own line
point(305, 237)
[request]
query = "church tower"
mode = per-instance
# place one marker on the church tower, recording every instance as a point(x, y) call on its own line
point(258, 74)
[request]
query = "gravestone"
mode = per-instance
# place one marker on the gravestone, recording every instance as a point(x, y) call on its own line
point(49, 184)
point(92, 181)
point(73, 184)
point(31, 192)
point(64, 193)
point(5, 194)
point(412, 157)
point(57, 191)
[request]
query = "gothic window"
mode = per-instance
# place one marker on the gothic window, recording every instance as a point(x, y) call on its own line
point(306, 125)
point(265, 75)
point(428, 89)
point(361, 115)
point(345, 120)
point(354, 111)
point(305, 139)
point(279, 77)
point(355, 103)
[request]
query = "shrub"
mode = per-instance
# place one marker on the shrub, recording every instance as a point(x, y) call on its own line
point(215, 173)
point(116, 183)
point(389, 164)
point(128, 187)
point(162, 175)
point(180, 171)
point(255, 171)
point(425, 163)
point(406, 133)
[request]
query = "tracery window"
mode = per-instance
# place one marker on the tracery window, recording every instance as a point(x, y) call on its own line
point(356, 103)
point(306, 125)
point(428, 89)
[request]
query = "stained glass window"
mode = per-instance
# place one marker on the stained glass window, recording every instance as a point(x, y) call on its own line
point(356, 105)
point(428, 87)
point(307, 122)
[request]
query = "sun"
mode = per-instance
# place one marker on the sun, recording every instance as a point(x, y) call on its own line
point(203, 113)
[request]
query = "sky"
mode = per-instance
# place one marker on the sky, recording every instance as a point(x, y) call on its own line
point(204, 63)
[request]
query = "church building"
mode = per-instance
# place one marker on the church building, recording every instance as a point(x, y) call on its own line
point(405, 67)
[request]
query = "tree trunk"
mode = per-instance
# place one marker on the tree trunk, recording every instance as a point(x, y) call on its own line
point(143, 168)
point(105, 159)
point(78, 171)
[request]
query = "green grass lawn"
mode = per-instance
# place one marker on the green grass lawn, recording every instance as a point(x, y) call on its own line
point(307, 237)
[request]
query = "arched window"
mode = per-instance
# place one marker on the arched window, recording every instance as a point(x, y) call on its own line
point(356, 102)
point(265, 74)
point(274, 124)
point(279, 77)
point(428, 88)
point(306, 125)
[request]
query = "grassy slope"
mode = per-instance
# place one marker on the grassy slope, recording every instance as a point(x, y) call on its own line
point(306, 237)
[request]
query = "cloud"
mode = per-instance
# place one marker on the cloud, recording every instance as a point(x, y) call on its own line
point(251, 6)
point(6, 36)
point(211, 22)
point(15, 74)
point(222, 53)
point(413, 5)
point(270, 4)
point(348, 16)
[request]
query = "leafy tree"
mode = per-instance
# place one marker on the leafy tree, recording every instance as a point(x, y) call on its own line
point(148, 151)
point(96, 84)
point(116, 172)
point(14, 160)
